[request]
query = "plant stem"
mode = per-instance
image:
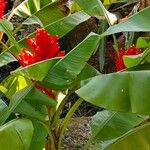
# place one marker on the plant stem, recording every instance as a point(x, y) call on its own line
point(52, 142)
point(67, 119)
point(59, 110)
point(4, 45)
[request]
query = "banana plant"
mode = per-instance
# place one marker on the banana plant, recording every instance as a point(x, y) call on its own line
point(33, 107)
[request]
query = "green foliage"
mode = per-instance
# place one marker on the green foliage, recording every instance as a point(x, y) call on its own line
point(16, 134)
point(29, 7)
point(65, 71)
point(14, 102)
point(138, 137)
point(119, 91)
point(32, 71)
point(60, 27)
point(143, 42)
point(5, 58)
point(39, 136)
point(122, 96)
point(108, 126)
point(132, 23)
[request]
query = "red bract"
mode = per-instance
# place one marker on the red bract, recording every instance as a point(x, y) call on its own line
point(43, 46)
point(132, 50)
point(47, 91)
point(2, 7)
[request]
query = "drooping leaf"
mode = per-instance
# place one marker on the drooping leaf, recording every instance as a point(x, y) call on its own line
point(96, 8)
point(66, 70)
point(126, 94)
point(16, 134)
point(138, 137)
point(108, 125)
point(132, 23)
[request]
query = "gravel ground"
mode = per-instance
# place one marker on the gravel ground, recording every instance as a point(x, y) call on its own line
point(77, 133)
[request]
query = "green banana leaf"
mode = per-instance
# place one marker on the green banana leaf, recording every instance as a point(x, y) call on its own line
point(29, 7)
point(122, 91)
point(12, 84)
point(108, 125)
point(5, 58)
point(16, 134)
point(65, 71)
point(32, 71)
point(60, 27)
point(15, 101)
point(136, 138)
point(39, 136)
point(132, 23)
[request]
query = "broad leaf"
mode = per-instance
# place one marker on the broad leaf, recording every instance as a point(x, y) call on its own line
point(36, 8)
point(108, 125)
point(36, 96)
point(132, 23)
point(33, 104)
point(29, 7)
point(138, 137)
point(126, 94)
point(32, 71)
point(16, 134)
point(39, 136)
point(14, 102)
point(5, 58)
point(6, 26)
point(96, 8)
point(25, 108)
point(92, 7)
point(3, 108)
point(13, 84)
point(134, 60)
point(60, 27)
point(87, 72)
point(65, 71)
point(143, 42)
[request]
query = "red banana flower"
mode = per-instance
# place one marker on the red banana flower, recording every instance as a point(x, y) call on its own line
point(132, 50)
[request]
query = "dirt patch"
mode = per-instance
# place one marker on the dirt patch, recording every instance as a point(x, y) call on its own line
point(77, 133)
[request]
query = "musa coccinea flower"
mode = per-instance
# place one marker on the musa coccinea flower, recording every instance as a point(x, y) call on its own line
point(132, 50)
point(43, 47)
point(2, 7)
